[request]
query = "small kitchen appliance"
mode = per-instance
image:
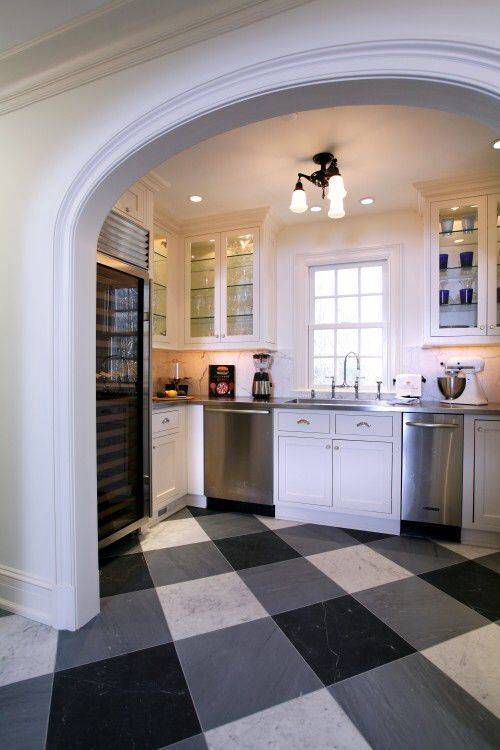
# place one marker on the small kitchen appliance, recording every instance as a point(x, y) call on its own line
point(261, 386)
point(408, 385)
point(460, 384)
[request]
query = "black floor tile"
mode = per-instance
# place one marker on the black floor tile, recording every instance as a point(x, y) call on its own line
point(490, 561)
point(311, 538)
point(203, 511)
point(341, 638)
point(24, 713)
point(121, 547)
point(185, 563)
point(224, 525)
point(250, 550)
point(365, 536)
point(472, 584)
point(140, 700)
point(119, 575)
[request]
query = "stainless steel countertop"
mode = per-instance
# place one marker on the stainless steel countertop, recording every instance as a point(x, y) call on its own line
point(425, 407)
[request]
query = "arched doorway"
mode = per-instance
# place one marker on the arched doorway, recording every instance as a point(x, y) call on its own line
point(404, 74)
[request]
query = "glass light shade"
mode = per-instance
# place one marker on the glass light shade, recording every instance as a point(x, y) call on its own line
point(336, 187)
point(299, 199)
point(336, 208)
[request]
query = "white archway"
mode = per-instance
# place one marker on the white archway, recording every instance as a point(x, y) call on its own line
point(454, 77)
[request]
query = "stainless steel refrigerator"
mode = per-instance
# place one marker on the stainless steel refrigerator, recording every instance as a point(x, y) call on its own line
point(122, 379)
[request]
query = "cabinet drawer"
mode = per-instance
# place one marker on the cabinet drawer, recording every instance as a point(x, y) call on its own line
point(302, 421)
point(354, 424)
point(164, 421)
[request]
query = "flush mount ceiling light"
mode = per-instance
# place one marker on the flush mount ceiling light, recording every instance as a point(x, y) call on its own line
point(195, 198)
point(367, 201)
point(329, 179)
point(315, 208)
point(496, 144)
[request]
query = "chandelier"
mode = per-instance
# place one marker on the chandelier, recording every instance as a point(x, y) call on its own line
point(329, 179)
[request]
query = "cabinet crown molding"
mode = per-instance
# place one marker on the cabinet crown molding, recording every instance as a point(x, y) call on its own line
point(226, 221)
point(456, 187)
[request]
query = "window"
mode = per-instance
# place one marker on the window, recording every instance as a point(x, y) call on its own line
point(348, 312)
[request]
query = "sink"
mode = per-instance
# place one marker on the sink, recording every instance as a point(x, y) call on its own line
point(342, 401)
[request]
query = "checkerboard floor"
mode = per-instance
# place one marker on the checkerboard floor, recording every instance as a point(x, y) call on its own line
point(224, 630)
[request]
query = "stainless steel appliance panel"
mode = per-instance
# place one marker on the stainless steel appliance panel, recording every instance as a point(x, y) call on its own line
point(239, 454)
point(432, 468)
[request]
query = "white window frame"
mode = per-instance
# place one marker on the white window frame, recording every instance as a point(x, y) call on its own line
point(384, 324)
point(302, 302)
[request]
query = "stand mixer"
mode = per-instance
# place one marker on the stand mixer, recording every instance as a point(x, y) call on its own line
point(460, 384)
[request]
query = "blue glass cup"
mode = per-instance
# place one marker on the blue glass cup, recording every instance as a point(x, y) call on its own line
point(443, 261)
point(444, 296)
point(466, 259)
point(466, 296)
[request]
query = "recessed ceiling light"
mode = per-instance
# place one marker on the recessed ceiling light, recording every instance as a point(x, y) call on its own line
point(195, 198)
point(454, 208)
point(315, 208)
point(473, 205)
point(496, 144)
point(367, 201)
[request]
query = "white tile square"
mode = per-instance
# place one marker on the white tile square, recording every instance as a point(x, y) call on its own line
point(27, 649)
point(207, 604)
point(358, 568)
point(173, 534)
point(472, 661)
point(312, 721)
point(468, 550)
point(277, 523)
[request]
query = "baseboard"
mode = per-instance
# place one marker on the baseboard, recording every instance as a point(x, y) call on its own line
point(481, 538)
point(26, 595)
point(289, 512)
point(197, 501)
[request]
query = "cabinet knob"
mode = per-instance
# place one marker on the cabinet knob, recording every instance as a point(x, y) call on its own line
point(328, 447)
point(336, 447)
point(164, 421)
point(492, 326)
point(481, 328)
point(127, 209)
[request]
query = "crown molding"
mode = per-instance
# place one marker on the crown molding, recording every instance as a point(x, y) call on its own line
point(462, 185)
point(155, 182)
point(225, 222)
point(26, 82)
point(165, 222)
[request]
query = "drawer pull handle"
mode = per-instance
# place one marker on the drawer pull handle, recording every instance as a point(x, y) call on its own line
point(303, 421)
point(362, 424)
point(164, 421)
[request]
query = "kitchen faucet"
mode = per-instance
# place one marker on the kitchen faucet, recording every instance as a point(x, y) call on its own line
point(345, 384)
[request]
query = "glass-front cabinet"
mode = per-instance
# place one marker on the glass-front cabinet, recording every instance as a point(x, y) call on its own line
point(160, 280)
point(464, 266)
point(222, 287)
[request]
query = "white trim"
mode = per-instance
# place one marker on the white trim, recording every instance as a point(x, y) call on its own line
point(327, 517)
point(401, 72)
point(300, 297)
point(26, 595)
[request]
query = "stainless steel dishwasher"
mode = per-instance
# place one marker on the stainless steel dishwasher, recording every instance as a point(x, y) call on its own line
point(238, 461)
point(432, 468)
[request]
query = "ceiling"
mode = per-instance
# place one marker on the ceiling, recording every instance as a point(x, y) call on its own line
point(382, 151)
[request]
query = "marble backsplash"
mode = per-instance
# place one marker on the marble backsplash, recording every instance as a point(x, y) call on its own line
point(415, 359)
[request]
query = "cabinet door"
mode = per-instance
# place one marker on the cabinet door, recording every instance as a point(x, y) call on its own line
point(487, 474)
point(458, 267)
point(203, 289)
point(240, 285)
point(168, 470)
point(362, 476)
point(133, 203)
point(159, 302)
point(494, 265)
point(305, 470)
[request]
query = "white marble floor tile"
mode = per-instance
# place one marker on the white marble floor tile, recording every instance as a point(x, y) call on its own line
point(173, 534)
point(358, 568)
point(206, 604)
point(311, 721)
point(27, 649)
point(277, 523)
point(468, 550)
point(472, 661)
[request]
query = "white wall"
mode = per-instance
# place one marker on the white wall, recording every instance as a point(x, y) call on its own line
point(43, 148)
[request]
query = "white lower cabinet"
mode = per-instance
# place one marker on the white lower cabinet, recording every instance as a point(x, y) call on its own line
point(168, 470)
point(487, 474)
point(305, 470)
point(362, 476)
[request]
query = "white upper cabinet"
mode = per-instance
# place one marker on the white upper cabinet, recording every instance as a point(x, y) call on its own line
point(463, 280)
point(134, 203)
point(227, 299)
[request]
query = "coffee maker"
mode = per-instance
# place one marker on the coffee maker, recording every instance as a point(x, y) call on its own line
point(261, 386)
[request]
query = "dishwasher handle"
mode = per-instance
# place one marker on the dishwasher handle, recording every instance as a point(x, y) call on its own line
point(241, 411)
point(432, 424)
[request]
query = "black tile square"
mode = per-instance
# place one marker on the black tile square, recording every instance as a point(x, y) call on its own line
point(311, 538)
point(474, 585)
point(195, 511)
point(224, 525)
point(416, 555)
point(490, 561)
point(140, 700)
point(119, 575)
point(24, 713)
point(126, 546)
point(341, 638)
point(255, 549)
point(366, 536)
point(185, 563)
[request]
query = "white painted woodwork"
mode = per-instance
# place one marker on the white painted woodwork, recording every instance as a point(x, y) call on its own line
point(487, 474)
point(305, 470)
point(352, 424)
point(298, 420)
point(493, 265)
point(165, 420)
point(362, 476)
point(169, 470)
point(133, 203)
